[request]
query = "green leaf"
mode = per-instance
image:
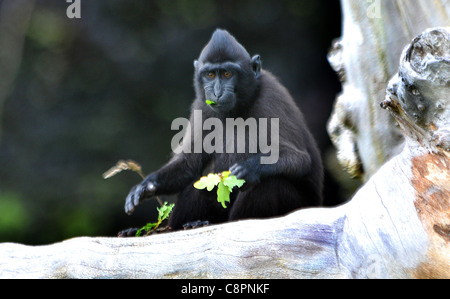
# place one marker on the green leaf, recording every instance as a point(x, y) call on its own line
point(147, 227)
point(164, 211)
point(209, 102)
point(208, 182)
point(163, 214)
point(233, 181)
point(225, 174)
point(223, 194)
point(224, 182)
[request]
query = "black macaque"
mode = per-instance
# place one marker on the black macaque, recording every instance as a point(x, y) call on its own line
point(230, 84)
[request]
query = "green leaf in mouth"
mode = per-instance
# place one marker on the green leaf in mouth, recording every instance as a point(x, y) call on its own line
point(209, 102)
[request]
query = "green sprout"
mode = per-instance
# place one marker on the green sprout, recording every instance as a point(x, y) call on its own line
point(163, 214)
point(164, 209)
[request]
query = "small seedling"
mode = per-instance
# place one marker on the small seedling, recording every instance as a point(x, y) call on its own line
point(163, 214)
point(163, 211)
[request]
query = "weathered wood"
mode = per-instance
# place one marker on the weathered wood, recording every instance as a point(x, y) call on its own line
point(396, 226)
point(366, 57)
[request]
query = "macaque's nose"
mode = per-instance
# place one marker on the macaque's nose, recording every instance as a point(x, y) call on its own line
point(218, 89)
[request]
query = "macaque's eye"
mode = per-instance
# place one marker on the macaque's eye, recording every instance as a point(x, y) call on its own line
point(227, 74)
point(211, 75)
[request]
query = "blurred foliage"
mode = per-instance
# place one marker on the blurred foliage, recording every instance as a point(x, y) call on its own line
point(95, 90)
point(14, 217)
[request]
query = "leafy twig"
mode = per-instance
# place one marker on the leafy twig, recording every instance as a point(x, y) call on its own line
point(164, 209)
point(224, 182)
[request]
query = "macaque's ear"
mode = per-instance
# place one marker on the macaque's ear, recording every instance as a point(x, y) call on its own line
point(256, 65)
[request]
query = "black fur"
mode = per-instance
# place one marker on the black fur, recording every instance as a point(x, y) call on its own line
point(295, 181)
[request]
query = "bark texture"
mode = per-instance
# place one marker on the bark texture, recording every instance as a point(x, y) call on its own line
point(366, 58)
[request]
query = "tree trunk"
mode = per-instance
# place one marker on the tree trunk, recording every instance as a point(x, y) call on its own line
point(366, 57)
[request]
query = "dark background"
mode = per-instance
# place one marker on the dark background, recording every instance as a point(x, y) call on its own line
point(106, 87)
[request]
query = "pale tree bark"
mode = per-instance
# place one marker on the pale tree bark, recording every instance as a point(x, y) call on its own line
point(396, 226)
point(366, 57)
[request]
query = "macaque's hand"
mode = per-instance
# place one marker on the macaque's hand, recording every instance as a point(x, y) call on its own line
point(246, 171)
point(138, 193)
